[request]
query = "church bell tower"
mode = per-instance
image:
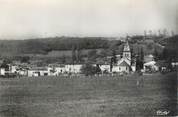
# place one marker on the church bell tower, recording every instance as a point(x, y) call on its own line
point(126, 51)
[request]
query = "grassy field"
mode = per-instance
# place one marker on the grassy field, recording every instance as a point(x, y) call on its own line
point(88, 97)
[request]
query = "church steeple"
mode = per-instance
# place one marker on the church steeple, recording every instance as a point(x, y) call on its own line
point(126, 47)
point(126, 51)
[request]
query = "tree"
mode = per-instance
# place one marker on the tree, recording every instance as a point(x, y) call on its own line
point(150, 32)
point(25, 59)
point(98, 70)
point(172, 33)
point(113, 59)
point(41, 64)
point(111, 64)
point(156, 55)
point(165, 32)
point(164, 54)
point(88, 69)
point(140, 60)
point(63, 59)
point(5, 64)
point(114, 56)
point(142, 54)
point(137, 63)
point(132, 52)
point(73, 55)
point(133, 55)
point(150, 46)
point(145, 33)
point(159, 32)
point(78, 54)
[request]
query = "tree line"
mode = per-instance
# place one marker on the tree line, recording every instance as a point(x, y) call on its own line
point(42, 46)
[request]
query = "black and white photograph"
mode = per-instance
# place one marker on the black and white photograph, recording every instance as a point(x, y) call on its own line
point(88, 58)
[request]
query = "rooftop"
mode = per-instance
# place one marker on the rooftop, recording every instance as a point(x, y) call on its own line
point(123, 64)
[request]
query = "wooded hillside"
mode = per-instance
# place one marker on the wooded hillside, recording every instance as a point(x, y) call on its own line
point(63, 46)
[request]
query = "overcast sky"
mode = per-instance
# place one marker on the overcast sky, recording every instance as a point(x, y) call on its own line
point(43, 18)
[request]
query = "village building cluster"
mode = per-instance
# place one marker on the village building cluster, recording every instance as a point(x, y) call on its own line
point(125, 64)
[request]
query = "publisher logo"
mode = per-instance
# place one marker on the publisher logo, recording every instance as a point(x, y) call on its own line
point(162, 112)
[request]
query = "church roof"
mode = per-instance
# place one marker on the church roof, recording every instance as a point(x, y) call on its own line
point(123, 63)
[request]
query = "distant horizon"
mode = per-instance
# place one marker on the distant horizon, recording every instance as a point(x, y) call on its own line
point(116, 37)
point(119, 35)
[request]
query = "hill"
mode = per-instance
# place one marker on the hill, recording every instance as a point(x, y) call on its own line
point(43, 46)
point(60, 47)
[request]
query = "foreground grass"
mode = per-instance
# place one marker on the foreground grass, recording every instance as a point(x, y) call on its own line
point(87, 97)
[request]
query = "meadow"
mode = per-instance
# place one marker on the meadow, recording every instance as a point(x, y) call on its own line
point(102, 96)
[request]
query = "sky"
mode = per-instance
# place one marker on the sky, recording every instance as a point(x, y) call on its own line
point(22, 19)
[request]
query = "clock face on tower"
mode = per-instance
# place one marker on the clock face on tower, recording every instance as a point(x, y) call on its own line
point(127, 55)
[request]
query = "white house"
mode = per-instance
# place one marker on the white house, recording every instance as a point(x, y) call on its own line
point(73, 68)
point(2, 71)
point(38, 71)
point(22, 72)
point(174, 64)
point(61, 69)
point(150, 66)
point(105, 68)
point(13, 68)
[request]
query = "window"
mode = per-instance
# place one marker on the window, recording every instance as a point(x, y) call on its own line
point(45, 74)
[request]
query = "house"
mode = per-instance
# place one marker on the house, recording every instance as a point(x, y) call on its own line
point(56, 69)
point(9, 69)
point(165, 66)
point(73, 68)
point(38, 71)
point(105, 68)
point(150, 67)
point(62, 69)
point(13, 68)
point(174, 63)
point(125, 63)
point(2, 71)
point(22, 72)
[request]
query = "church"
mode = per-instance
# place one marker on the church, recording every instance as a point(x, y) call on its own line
point(125, 63)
